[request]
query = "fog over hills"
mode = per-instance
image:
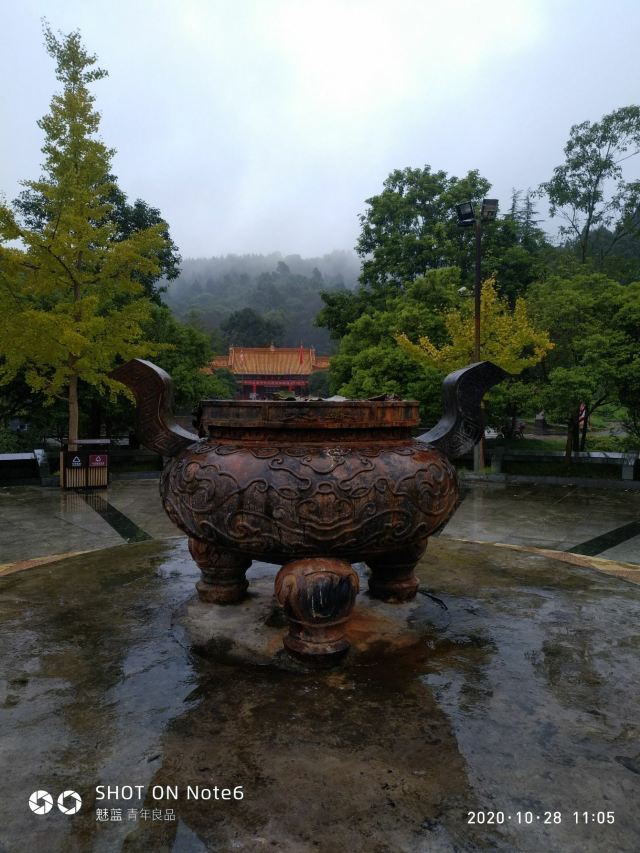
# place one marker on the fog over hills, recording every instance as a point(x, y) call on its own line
point(282, 290)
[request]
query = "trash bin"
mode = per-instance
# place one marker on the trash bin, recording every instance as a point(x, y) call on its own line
point(86, 467)
point(73, 470)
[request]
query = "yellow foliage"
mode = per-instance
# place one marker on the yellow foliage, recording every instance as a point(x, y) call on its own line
point(507, 338)
point(71, 301)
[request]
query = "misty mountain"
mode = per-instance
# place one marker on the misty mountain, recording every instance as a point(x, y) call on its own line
point(212, 293)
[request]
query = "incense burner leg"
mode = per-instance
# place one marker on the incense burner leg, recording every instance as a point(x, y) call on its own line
point(318, 595)
point(392, 576)
point(223, 573)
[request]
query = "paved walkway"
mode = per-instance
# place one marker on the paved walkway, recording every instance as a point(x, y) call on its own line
point(37, 522)
point(585, 521)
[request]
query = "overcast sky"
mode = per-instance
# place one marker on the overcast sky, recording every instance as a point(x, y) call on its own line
point(261, 125)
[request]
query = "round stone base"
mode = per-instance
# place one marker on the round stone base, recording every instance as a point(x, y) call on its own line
point(256, 630)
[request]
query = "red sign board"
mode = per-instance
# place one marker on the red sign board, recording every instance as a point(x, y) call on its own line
point(97, 460)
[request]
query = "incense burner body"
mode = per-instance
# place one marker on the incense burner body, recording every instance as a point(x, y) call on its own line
point(313, 486)
point(282, 480)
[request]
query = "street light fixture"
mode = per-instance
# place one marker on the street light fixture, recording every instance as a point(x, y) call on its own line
point(489, 209)
point(467, 216)
point(466, 213)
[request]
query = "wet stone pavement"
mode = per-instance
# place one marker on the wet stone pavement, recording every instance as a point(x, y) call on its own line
point(37, 522)
point(520, 697)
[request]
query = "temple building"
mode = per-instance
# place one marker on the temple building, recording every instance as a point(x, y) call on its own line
point(261, 371)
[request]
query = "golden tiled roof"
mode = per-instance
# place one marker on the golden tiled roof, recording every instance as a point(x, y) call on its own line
point(271, 361)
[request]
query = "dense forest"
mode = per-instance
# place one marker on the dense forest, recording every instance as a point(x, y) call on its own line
point(255, 300)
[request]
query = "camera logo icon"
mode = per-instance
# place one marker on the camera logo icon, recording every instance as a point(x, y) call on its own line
point(69, 802)
point(40, 802)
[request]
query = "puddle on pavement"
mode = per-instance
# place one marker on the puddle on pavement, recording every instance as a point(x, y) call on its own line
point(520, 697)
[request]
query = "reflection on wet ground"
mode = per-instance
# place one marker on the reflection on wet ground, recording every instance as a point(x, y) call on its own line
point(521, 697)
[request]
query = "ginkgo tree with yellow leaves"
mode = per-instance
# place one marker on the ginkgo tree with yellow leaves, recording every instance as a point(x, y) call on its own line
point(71, 301)
point(507, 337)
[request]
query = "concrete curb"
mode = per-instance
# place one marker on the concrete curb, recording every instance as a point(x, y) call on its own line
point(36, 562)
point(626, 571)
point(583, 482)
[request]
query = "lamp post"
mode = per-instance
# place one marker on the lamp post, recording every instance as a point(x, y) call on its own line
point(468, 216)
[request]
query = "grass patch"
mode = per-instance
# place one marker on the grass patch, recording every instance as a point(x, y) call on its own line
point(613, 443)
point(608, 415)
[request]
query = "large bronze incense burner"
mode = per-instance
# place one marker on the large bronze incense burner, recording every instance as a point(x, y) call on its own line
point(312, 486)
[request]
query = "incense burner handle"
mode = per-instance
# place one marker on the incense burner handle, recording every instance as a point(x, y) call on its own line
point(153, 390)
point(462, 423)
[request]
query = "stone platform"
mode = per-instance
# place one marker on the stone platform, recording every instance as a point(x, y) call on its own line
point(252, 631)
point(520, 697)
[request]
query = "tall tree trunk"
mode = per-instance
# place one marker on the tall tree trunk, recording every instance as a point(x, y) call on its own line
point(583, 432)
point(572, 435)
point(583, 250)
point(73, 413)
point(568, 448)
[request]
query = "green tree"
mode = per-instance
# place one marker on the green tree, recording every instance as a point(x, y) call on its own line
point(411, 227)
point(507, 337)
point(140, 216)
point(588, 191)
point(617, 258)
point(592, 322)
point(200, 321)
point(292, 301)
point(370, 362)
point(340, 309)
point(627, 377)
point(247, 328)
point(71, 298)
point(629, 395)
point(514, 256)
point(185, 352)
point(34, 212)
point(209, 290)
point(509, 401)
